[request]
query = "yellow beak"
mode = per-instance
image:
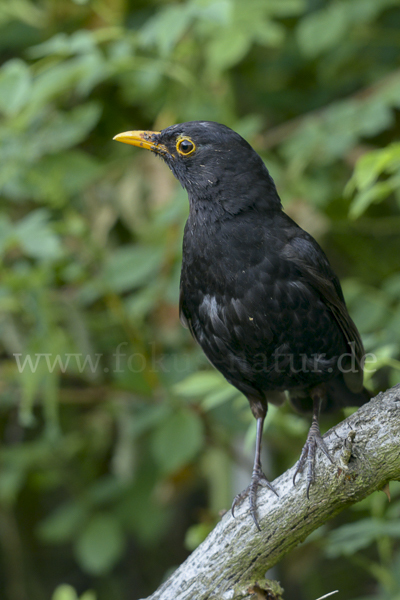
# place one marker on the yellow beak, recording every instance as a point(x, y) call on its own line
point(142, 139)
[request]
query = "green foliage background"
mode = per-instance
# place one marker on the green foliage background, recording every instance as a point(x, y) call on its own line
point(119, 442)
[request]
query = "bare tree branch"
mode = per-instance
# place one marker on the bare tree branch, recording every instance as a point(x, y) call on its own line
point(235, 557)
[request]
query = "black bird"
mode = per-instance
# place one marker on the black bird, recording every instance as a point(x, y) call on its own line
point(257, 292)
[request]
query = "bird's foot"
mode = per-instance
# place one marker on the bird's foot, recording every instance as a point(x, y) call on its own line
point(314, 441)
point(257, 478)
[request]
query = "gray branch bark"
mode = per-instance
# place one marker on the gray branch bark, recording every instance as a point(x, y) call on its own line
point(235, 557)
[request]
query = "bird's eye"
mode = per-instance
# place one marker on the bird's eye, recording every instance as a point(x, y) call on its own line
point(185, 146)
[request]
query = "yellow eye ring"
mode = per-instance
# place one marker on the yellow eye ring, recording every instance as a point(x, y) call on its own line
point(185, 146)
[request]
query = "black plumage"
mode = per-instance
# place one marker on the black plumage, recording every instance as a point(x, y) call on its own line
point(257, 292)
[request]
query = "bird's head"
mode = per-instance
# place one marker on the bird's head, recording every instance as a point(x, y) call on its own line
point(212, 162)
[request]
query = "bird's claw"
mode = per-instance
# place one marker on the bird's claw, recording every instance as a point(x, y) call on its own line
point(314, 441)
point(258, 478)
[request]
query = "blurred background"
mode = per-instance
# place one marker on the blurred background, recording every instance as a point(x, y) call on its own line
point(120, 444)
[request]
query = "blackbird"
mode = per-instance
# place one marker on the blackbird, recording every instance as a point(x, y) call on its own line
point(257, 292)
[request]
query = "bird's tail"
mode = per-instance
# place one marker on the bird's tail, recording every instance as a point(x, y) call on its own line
point(338, 396)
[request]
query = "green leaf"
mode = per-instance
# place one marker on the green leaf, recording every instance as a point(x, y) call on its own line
point(366, 173)
point(216, 468)
point(228, 49)
point(12, 479)
point(374, 116)
point(348, 539)
point(196, 534)
point(100, 544)
point(79, 42)
point(199, 384)
point(58, 177)
point(219, 396)
point(167, 27)
point(59, 79)
point(147, 418)
point(371, 165)
point(142, 302)
point(64, 592)
point(67, 592)
point(323, 29)
point(269, 34)
point(216, 12)
point(210, 385)
point(62, 525)
point(368, 196)
point(88, 595)
point(391, 286)
point(177, 440)
point(66, 129)
point(6, 228)
point(15, 85)
point(286, 8)
point(131, 266)
point(36, 238)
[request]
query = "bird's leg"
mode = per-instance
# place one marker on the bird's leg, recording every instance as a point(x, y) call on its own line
point(314, 440)
point(257, 477)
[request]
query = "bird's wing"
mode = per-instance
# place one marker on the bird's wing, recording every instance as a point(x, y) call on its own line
point(304, 252)
point(186, 322)
point(182, 317)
